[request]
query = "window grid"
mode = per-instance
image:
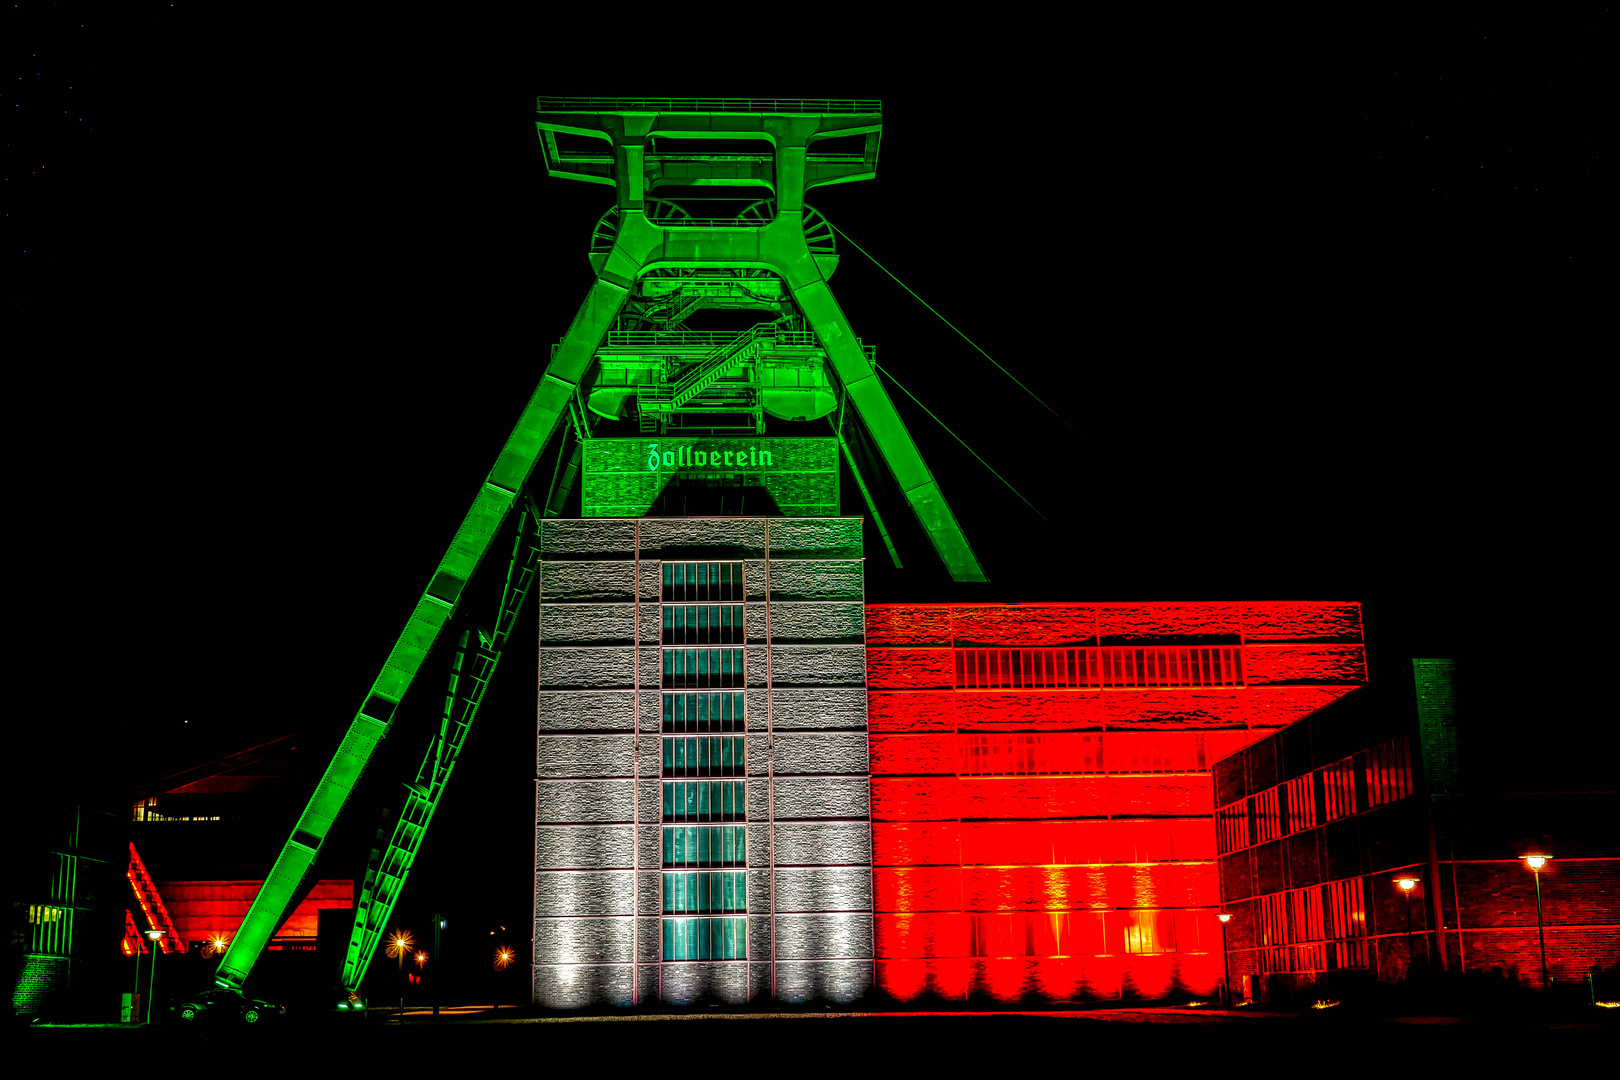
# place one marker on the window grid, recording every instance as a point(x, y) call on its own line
point(705, 846)
point(710, 756)
point(702, 582)
point(1267, 825)
point(703, 712)
point(699, 669)
point(705, 939)
point(703, 624)
point(1098, 667)
point(1387, 769)
point(705, 893)
point(1317, 928)
point(1301, 805)
point(1339, 790)
point(705, 800)
point(1389, 772)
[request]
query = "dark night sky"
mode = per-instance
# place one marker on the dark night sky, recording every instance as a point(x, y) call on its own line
point(1317, 317)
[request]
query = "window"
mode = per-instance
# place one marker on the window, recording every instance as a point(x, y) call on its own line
point(1267, 825)
point(706, 800)
point(1107, 666)
point(722, 756)
point(1339, 790)
point(1232, 827)
point(702, 668)
point(1318, 928)
point(703, 712)
point(1389, 772)
point(703, 624)
point(705, 845)
point(702, 582)
point(704, 894)
point(705, 939)
point(1300, 804)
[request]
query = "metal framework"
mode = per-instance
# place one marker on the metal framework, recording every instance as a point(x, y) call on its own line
point(656, 262)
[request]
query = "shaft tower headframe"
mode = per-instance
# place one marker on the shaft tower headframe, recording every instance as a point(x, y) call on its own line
point(753, 244)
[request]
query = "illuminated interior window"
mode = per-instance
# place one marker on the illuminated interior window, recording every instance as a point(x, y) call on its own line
point(705, 894)
point(703, 624)
point(703, 668)
point(702, 582)
point(703, 712)
point(705, 939)
point(1317, 928)
point(1107, 666)
point(704, 846)
point(1389, 772)
point(712, 756)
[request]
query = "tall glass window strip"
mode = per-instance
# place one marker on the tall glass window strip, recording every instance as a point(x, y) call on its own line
point(1098, 667)
point(702, 582)
point(703, 636)
point(703, 712)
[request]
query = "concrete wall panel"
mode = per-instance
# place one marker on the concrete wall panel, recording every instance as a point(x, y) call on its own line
point(577, 847)
point(582, 941)
point(582, 892)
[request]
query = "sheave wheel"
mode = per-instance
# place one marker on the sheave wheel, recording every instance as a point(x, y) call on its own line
point(251, 1016)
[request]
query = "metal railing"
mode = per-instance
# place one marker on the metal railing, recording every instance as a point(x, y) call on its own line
point(702, 105)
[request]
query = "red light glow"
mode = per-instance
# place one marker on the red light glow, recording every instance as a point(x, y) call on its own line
point(1058, 840)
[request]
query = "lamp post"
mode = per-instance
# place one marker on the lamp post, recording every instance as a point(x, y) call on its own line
point(1536, 862)
point(1226, 960)
point(1407, 883)
point(155, 936)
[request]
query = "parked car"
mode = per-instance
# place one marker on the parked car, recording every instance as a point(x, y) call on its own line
point(226, 1005)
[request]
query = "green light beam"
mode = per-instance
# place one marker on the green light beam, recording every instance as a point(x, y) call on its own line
point(965, 446)
point(952, 325)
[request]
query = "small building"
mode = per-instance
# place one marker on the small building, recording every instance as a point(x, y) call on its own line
point(1366, 841)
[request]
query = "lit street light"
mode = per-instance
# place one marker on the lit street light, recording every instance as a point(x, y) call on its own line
point(1536, 862)
point(1226, 962)
point(156, 936)
point(1407, 883)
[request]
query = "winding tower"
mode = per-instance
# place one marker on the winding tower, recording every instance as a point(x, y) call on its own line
point(710, 214)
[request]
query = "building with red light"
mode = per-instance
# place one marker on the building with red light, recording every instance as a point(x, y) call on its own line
point(751, 784)
point(1365, 842)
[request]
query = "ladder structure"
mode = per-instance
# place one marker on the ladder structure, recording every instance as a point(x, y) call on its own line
point(755, 245)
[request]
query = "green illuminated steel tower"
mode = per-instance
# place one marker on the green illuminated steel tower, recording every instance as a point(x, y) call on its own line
point(753, 245)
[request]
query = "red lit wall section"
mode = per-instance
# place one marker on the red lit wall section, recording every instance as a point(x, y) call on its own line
point(1042, 816)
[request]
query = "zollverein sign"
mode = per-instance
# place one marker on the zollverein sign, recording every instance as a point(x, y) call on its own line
point(624, 477)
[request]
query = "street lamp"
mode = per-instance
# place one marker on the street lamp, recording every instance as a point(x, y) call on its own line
point(155, 937)
point(1226, 960)
point(1536, 862)
point(1407, 883)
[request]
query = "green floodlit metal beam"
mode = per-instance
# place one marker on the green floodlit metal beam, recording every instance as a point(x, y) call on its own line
point(434, 608)
point(625, 129)
point(391, 863)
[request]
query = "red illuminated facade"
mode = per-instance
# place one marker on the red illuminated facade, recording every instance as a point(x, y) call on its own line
point(1041, 798)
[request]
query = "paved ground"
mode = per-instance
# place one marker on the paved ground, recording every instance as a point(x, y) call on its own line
point(1151, 1040)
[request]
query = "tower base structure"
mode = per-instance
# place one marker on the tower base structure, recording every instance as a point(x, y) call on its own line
point(752, 785)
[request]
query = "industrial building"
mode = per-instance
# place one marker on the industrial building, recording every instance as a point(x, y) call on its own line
point(752, 784)
point(1365, 842)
